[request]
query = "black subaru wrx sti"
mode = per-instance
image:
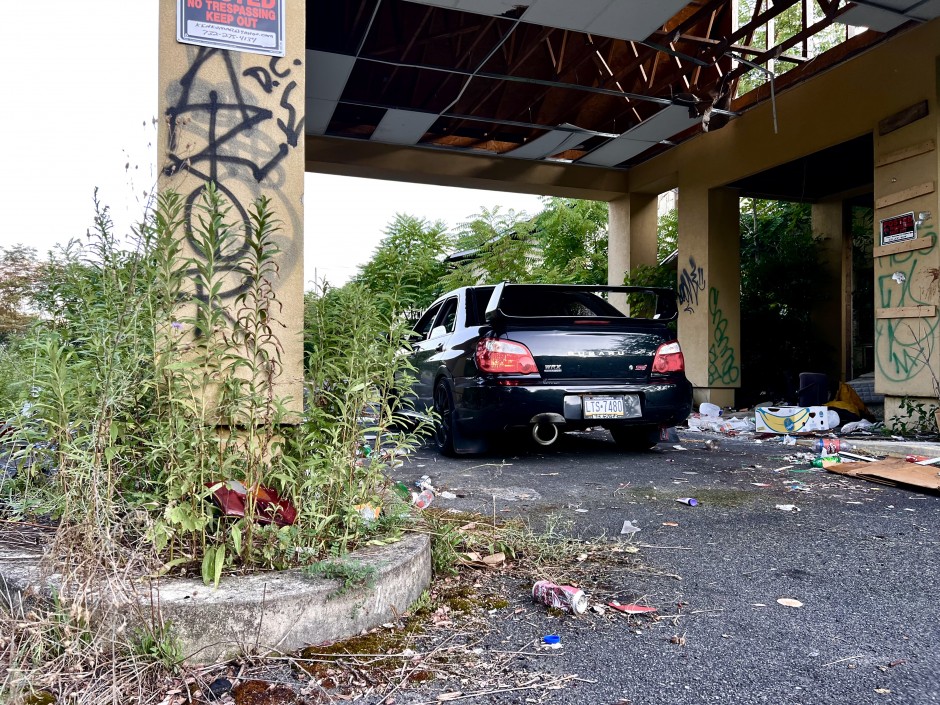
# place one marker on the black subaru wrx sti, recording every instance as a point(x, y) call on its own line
point(550, 357)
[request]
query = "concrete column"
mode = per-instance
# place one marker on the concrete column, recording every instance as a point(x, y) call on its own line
point(710, 291)
point(631, 237)
point(237, 119)
point(907, 273)
point(832, 315)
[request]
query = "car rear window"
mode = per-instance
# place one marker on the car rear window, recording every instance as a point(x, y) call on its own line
point(535, 302)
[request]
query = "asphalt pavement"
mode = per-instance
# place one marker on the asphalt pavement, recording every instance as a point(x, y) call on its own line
point(861, 558)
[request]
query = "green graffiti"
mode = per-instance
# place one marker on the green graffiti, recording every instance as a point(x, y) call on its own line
point(722, 363)
point(904, 346)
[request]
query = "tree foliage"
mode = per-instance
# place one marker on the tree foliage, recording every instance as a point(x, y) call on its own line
point(20, 274)
point(408, 260)
point(572, 238)
point(566, 242)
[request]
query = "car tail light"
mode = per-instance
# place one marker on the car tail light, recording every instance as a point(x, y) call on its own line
point(504, 357)
point(668, 359)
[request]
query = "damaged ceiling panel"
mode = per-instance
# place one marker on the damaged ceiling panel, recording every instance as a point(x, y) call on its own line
point(605, 83)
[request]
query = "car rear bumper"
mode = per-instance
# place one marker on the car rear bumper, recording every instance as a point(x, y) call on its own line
point(484, 406)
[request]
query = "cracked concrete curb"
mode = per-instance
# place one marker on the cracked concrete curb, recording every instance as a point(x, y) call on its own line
point(274, 611)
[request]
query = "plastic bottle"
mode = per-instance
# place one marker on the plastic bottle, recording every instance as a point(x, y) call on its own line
point(691, 501)
point(707, 409)
point(423, 500)
point(563, 597)
point(828, 446)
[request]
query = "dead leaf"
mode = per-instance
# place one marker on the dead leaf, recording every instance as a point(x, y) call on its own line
point(789, 602)
point(680, 640)
point(472, 556)
point(495, 559)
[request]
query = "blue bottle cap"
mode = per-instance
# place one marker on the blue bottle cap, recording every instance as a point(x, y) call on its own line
point(551, 639)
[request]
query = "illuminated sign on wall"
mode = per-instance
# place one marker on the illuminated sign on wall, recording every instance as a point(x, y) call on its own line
point(255, 26)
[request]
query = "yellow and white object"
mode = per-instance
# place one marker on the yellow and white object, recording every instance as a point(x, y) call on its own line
point(793, 419)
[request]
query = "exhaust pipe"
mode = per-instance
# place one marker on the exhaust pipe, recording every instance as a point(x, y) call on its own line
point(542, 437)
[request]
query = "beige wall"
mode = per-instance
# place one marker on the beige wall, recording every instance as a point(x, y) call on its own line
point(840, 104)
point(237, 119)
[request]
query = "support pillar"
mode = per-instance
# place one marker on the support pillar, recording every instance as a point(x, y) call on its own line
point(709, 288)
point(832, 315)
point(631, 237)
point(907, 272)
point(237, 119)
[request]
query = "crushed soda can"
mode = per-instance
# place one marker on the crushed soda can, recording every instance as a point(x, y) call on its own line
point(563, 597)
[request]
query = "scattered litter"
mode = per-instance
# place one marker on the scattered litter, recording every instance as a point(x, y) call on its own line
point(758, 604)
point(368, 512)
point(788, 508)
point(789, 602)
point(788, 440)
point(447, 495)
point(825, 461)
point(425, 484)
point(231, 497)
point(629, 528)
point(551, 639)
point(423, 500)
point(853, 426)
point(401, 489)
point(760, 484)
point(453, 695)
point(689, 472)
point(678, 447)
point(710, 410)
point(793, 419)
point(599, 609)
point(670, 523)
point(680, 640)
point(564, 597)
point(691, 501)
point(711, 444)
point(892, 471)
point(581, 511)
point(630, 609)
point(882, 691)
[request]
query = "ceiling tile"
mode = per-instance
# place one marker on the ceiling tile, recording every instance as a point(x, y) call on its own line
point(548, 144)
point(872, 17)
point(319, 114)
point(403, 126)
point(565, 13)
point(669, 121)
point(327, 74)
point(635, 19)
point(615, 151)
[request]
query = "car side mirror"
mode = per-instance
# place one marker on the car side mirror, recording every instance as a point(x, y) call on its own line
point(438, 331)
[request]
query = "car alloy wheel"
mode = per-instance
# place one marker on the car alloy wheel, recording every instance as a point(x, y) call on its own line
point(444, 428)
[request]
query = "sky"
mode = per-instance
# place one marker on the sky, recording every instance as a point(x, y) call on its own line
point(79, 109)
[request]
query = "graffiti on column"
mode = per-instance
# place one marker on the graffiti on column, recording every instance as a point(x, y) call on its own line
point(691, 282)
point(237, 148)
point(904, 346)
point(722, 361)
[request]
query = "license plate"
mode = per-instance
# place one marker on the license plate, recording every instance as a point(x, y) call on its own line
point(618, 407)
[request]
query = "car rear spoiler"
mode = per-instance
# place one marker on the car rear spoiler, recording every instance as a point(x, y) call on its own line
point(666, 308)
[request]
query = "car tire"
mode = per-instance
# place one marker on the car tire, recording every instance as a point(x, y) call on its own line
point(444, 425)
point(635, 438)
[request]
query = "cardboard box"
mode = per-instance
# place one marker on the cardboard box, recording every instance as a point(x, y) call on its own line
point(791, 419)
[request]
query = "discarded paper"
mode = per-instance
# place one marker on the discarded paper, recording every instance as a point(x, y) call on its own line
point(789, 602)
